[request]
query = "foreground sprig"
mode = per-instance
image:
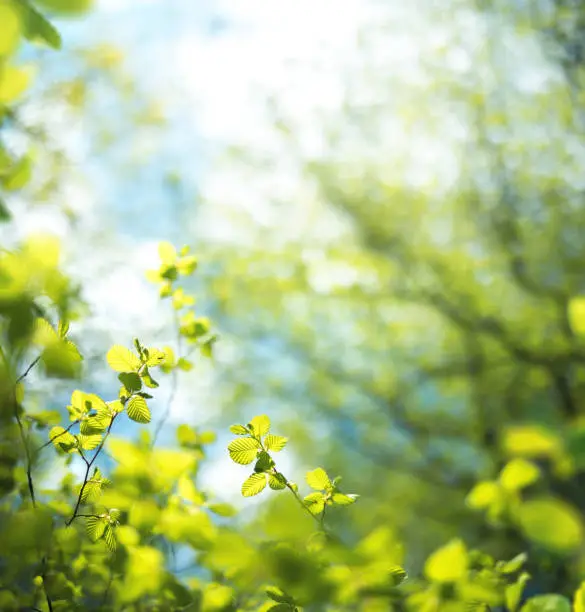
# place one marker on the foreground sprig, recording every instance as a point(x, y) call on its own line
point(255, 444)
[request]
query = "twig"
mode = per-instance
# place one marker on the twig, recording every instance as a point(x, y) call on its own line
point(87, 470)
point(174, 383)
point(40, 448)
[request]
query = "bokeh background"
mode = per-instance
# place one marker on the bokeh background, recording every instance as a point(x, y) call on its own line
point(386, 200)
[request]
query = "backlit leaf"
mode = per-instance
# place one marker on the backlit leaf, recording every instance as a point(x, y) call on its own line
point(243, 450)
point(137, 410)
point(122, 359)
point(260, 425)
point(518, 474)
point(317, 479)
point(552, 523)
point(239, 430)
point(253, 485)
point(315, 502)
point(448, 564)
point(275, 443)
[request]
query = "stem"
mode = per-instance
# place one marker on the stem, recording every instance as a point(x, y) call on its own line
point(87, 470)
point(174, 383)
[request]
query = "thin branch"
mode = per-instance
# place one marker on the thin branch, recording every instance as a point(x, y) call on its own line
point(174, 383)
point(87, 470)
point(51, 440)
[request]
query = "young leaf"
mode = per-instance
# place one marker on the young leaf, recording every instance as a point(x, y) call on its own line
point(93, 425)
point(62, 439)
point(318, 479)
point(448, 564)
point(90, 442)
point(343, 500)
point(260, 425)
point(279, 595)
point(95, 527)
point(239, 430)
point(253, 485)
point(148, 380)
point(38, 27)
point(121, 359)
point(137, 409)
point(276, 482)
point(110, 538)
point(131, 381)
point(315, 502)
point(222, 509)
point(264, 462)
point(275, 443)
point(155, 357)
point(243, 450)
point(167, 252)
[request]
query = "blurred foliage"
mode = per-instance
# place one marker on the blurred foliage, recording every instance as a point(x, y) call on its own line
point(454, 408)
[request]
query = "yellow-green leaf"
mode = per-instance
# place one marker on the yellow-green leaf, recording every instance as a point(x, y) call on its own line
point(552, 523)
point(13, 82)
point(10, 28)
point(253, 485)
point(260, 425)
point(576, 315)
point(518, 474)
point(122, 359)
point(483, 495)
point(137, 409)
point(243, 450)
point(275, 443)
point(317, 479)
point(448, 564)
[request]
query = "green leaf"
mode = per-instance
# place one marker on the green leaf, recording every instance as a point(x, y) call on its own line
point(67, 7)
point(253, 485)
point(186, 435)
point(278, 595)
point(579, 599)
point(37, 27)
point(185, 364)
point(155, 357)
point(275, 443)
point(576, 315)
point(518, 474)
point(122, 359)
point(513, 593)
point(277, 481)
point(93, 425)
point(552, 523)
point(340, 499)
point(167, 252)
point(62, 439)
point(483, 495)
point(148, 380)
point(264, 462)
point(222, 509)
point(95, 526)
point(243, 450)
point(131, 381)
point(239, 430)
point(317, 479)
point(448, 564)
point(398, 575)
point(89, 442)
point(513, 565)
point(137, 409)
point(110, 538)
point(260, 425)
point(315, 502)
point(547, 603)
